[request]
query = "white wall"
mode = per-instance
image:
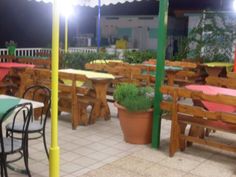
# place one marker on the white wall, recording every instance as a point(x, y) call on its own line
point(140, 29)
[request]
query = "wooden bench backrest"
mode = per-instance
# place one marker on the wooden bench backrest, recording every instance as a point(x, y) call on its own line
point(39, 63)
point(89, 66)
point(68, 82)
point(231, 75)
point(198, 111)
point(7, 58)
point(184, 114)
point(221, 82)
point(182, 64)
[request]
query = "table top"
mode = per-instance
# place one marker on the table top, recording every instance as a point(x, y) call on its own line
point(167, 68)
point(7, 102)
point(89, 74)
point(212, 90)
point(15, 65)
point(218, 64)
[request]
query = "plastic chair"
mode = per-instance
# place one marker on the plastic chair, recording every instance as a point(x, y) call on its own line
point(38, 121)
point(10, 145)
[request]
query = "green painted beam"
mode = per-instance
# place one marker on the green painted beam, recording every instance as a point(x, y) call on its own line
point(161, 52)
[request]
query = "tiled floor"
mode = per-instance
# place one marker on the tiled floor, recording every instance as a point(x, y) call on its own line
point(99, 151)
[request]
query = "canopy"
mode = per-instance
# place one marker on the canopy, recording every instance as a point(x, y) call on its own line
point(91, 3)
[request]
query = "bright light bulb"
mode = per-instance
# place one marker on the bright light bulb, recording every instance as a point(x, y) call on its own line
point(234, 5)
point(66, 7)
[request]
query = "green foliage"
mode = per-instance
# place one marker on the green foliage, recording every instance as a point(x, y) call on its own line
point(11, 47)
point(78, 60)
point(134, 98)
point(212, 39)
point(11, 43)
point(182, 50)
point(139, 103)
point(125, 90)
point(138, 56)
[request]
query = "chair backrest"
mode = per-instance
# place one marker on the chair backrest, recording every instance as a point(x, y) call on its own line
point(19, 113)
point(42, 94)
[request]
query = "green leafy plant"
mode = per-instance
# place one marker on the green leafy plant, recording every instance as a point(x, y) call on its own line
point(11, 47)
point(11, 43)
point(138, 56)
point(78, 60)
point(134, 98)
point(212, 39)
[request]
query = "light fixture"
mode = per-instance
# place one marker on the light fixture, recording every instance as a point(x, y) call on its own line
point(66, 8)
point(234, 5)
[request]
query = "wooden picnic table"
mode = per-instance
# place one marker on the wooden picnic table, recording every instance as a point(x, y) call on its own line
point(100, 82)
point(213, 90)
point(210, 106)
point(170, 72)
point(12, 70)
point(217, 68)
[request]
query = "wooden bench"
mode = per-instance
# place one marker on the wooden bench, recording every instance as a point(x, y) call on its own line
point(195, 115)
point(75, 99)
point(72, 98)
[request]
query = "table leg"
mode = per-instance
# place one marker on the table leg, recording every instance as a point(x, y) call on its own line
point(196, 131)
point(101, 87)
point(214, 71)
point(170, 78)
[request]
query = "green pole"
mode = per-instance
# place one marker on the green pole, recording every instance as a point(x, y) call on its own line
point(160, 64)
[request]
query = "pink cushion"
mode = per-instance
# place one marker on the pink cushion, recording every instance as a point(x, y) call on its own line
point(212, 90)
point(15, 65)
point(3, 73)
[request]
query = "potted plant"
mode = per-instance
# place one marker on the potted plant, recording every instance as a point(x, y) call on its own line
point(11, 46)
point(135, 110)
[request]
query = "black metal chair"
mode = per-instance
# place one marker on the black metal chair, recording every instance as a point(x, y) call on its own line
point(10, 145)
point(38, 121)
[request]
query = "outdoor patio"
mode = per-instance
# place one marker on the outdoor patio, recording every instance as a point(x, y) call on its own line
point(99, 150)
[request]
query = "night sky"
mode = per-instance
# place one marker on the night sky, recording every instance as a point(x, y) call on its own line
point(29, 23)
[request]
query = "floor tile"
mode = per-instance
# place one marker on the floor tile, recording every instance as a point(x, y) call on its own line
point(99, 150)
point(85, 161)
point(150, 155)
point(209, 170)
point(180, 163)
point(161, 171)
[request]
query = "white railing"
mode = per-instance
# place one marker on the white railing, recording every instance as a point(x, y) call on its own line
point(34, 51)
point(82, 49)
point(30, 51)
point(3, 52)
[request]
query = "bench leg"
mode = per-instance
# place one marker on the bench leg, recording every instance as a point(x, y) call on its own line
point(83, 117)
point(94, 112)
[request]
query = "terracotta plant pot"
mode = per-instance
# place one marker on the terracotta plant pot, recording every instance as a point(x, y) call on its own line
point(136, 126)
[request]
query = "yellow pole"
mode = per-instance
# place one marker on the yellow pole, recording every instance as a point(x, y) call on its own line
point(54, 170)
point(66, 34)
